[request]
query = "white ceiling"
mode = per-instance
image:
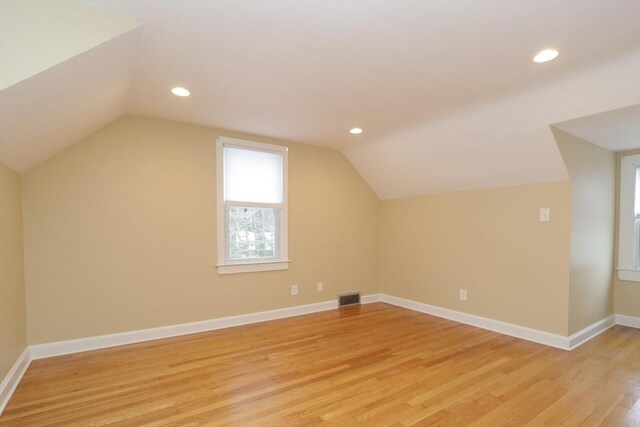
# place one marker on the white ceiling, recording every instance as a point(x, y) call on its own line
point(38, 34)
point(617, 130)
point(445, 91)
point(52, 110)
point(499, 142)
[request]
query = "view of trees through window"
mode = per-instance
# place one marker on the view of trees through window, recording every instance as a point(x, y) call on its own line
point(252, 233)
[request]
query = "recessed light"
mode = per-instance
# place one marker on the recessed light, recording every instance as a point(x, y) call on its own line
point(546, 55)
point(355, 131)
point(180, 91)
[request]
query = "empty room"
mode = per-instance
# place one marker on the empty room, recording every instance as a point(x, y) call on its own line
point(323, 212)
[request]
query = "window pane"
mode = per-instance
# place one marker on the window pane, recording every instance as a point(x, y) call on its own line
point(252, 233)
point(252, 176)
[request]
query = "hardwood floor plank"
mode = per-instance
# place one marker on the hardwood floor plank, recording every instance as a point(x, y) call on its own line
point(373, 365)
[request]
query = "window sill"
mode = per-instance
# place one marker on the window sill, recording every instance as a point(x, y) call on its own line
point(630, 275)
point(253, 267)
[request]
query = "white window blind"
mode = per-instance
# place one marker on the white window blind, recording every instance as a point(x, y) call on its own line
point(252, 176)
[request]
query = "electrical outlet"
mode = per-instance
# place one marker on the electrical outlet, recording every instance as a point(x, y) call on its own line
point(319, 287)
point(294, 289)
point(463, 295)
point(545, 215)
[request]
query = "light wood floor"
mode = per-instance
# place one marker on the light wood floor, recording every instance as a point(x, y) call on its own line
point(374, 365)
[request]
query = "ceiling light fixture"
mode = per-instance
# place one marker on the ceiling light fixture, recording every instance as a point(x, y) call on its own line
point(180, 91)
point(355, 131)
point(546, 55)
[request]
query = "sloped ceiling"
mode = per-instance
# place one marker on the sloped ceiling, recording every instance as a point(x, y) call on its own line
point(65, 71)
point(504, 142)
point(616, 130)
point(446, 91)
point(54, 109)
point(36, 35)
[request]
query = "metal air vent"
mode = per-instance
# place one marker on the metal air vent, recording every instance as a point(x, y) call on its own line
point(352, 298)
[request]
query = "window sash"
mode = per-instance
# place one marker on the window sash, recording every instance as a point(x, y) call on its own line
point(277, 243)
point(629, 219)
point(254, 205)
point(224, 265)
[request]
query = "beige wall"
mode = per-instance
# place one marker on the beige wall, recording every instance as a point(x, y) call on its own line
point(626, 293)
point(13, 329)
point(592, 170)
point(120, 233)
point(489, 242)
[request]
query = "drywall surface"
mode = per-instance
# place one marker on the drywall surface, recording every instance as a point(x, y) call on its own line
point(37, 34)
point(120, 233)
point(13, 329)
point(489, 242)
point(626, 293)
point(592, 170)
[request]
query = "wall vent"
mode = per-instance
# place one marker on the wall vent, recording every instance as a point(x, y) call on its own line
point(352, 298)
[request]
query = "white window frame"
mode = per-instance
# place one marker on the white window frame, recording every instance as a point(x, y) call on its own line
point(224, 265)
point(629, 230)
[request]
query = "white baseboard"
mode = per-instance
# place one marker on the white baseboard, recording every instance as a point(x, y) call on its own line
point(510, 329)
point(13, 377)
point(39, 351)
point(554, 340)
point(368, 299)
point(60, 348)
point(630, 321)
point(591, 331)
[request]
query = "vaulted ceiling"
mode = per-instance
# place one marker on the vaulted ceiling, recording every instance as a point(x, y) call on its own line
point(446, 92)
point(615, 130)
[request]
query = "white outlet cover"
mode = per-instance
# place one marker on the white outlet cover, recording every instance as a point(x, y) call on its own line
point(294, 289)
point(545, 215)
point(463, 294)
point(319, 287)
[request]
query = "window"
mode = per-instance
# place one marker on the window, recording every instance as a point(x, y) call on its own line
point(629, 238)
point(252, 206)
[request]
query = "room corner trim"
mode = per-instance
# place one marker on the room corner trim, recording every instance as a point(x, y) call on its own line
point(40, 351)
point(591, 331)
point(630, 321)
point(13, 377)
